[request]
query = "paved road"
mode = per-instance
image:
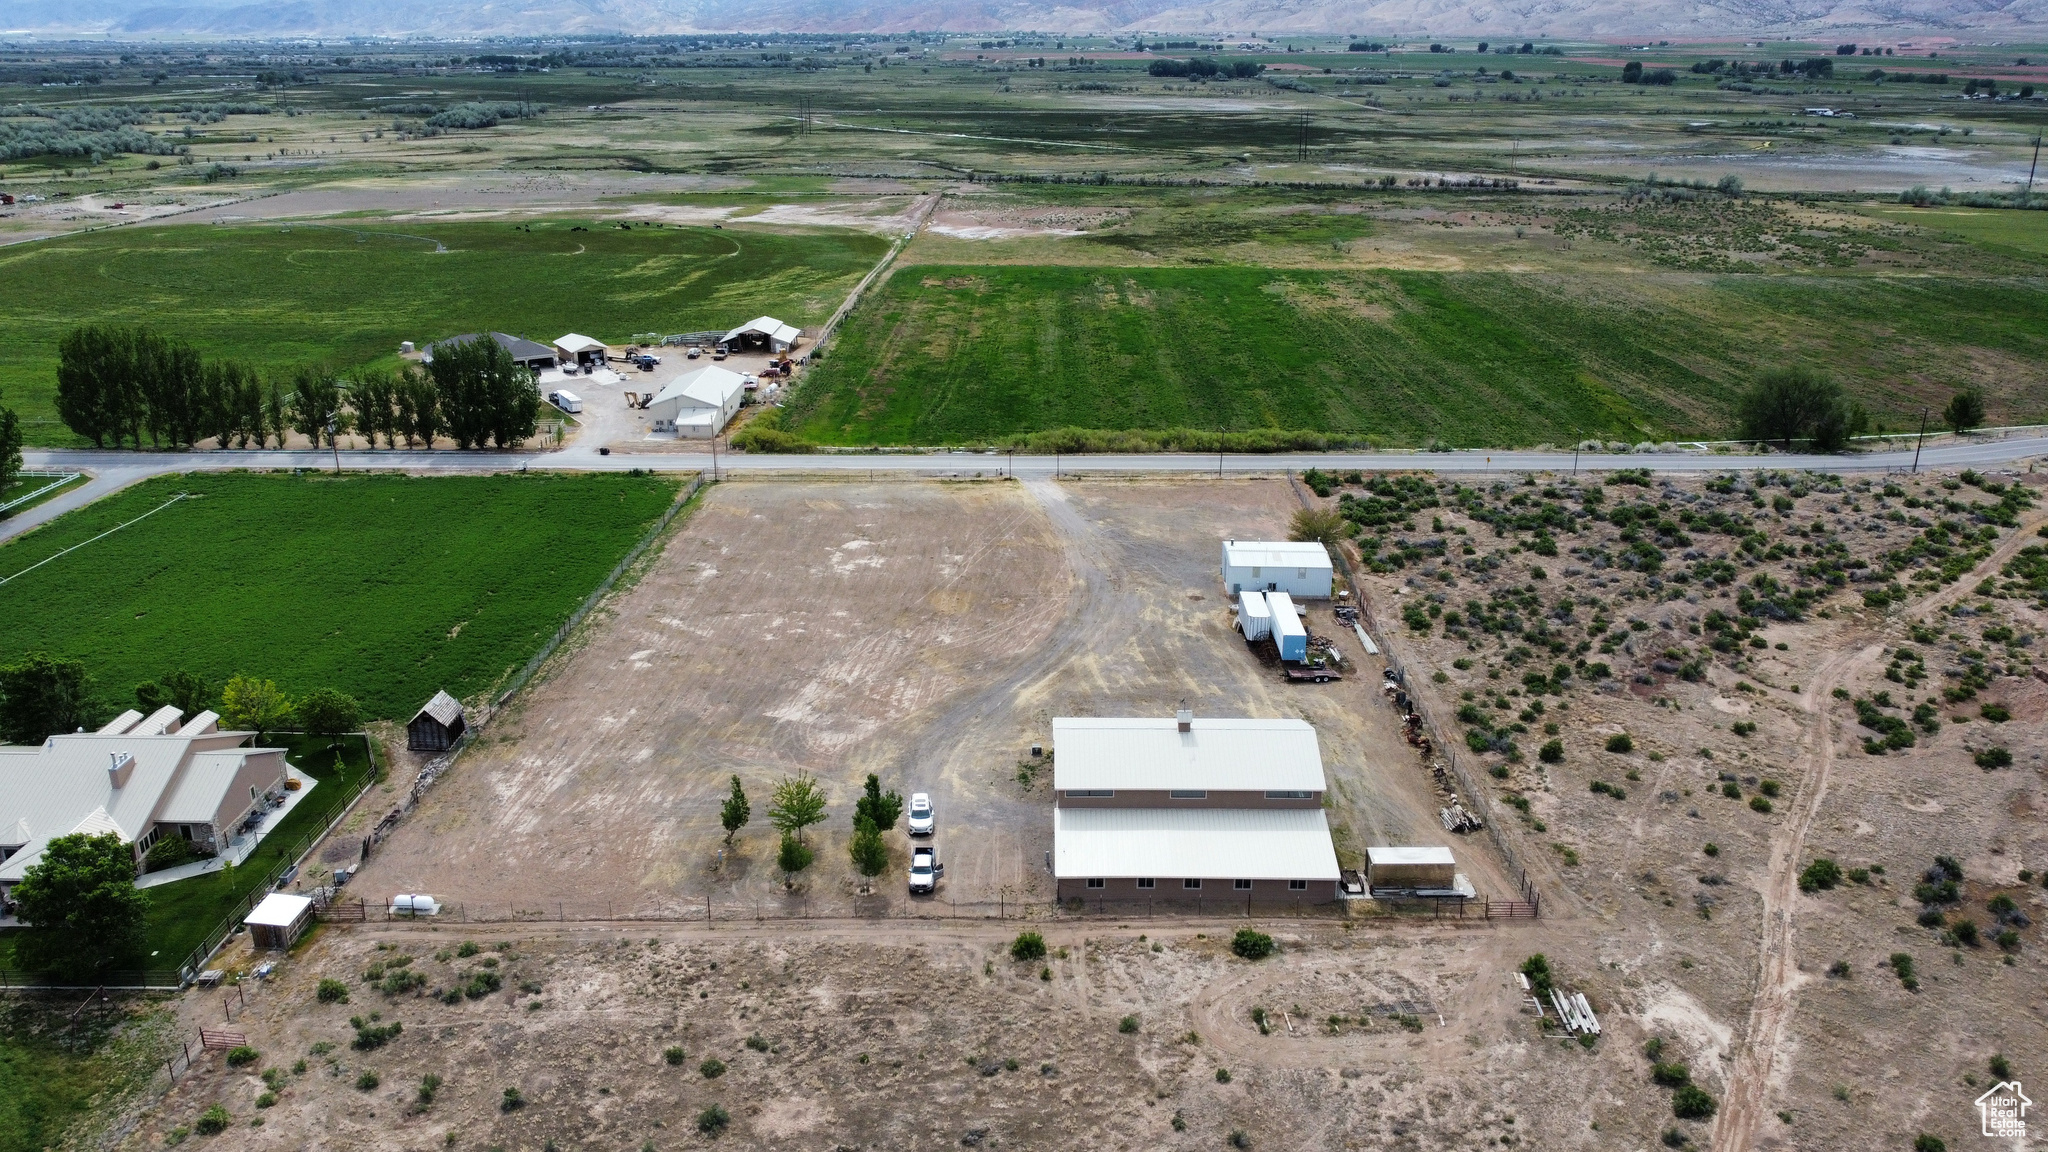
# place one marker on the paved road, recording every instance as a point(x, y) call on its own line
point(112, 471)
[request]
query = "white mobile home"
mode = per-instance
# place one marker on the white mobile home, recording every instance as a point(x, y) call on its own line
point(1296, 567)
point(1254, 619)
point(700, 404)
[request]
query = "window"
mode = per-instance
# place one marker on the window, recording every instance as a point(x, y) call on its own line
point(1090, 793)
point(1145, 882)
point(1095, 883)
point(1297, 885)
point(1241, 885)
point(1289, 795)
point(1191, 882)
point(1301, 573)
point(1188, 794)
point(1255, 571)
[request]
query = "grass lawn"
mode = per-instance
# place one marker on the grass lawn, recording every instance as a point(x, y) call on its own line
point(62, 1064)
point(386, 587)
point(347, 294)
point(184, 912)
point(956, 354)
point(40, 488)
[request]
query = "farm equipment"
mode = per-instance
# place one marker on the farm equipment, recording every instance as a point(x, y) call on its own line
point(639, 399)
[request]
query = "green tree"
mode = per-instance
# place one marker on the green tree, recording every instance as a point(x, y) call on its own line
point(735, 812)
point(1787, 404)
point(94, 370)
point(1632, 72)
point(1322, 525)
point(1965, 411)
point(880, 808)
point(185, 691)
point(795, 855)
point(251, 705)
point(419, 408)
point(870, 854)
point(42, 696)
point(315, 402)
point(798, 803)
point(329, 712)
point(483, 395)
point(82, 902)
point(10, 447)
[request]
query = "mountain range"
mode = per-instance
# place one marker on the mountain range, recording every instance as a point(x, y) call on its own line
point(1201, 18)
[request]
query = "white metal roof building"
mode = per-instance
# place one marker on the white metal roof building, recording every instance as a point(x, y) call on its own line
point(580, 349)
point(1146, 753)
point(1177, 806)
point(765, 331)
point(1296, 567)
point(698, 404)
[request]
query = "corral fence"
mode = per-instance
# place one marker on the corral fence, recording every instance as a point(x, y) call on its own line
point(195, 961)
point(1481, 804)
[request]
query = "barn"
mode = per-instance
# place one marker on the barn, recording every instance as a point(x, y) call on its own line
point(581, 350)
point(530, 355)
point(437, 726)
point(762, 333)
point(699, 404)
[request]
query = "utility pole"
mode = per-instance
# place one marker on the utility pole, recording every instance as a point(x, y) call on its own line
point(1922, 440)
point(334, 443)
point(714, 457)
point(2030, 171)
point(1576, 445)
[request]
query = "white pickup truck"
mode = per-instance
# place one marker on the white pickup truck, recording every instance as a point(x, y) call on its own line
point(925, 869)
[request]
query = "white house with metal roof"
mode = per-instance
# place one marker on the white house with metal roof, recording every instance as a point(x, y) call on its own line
point(762, 332)
point(1296, 567)
point(1181, 808)
point(698, 404)
point(140, 778)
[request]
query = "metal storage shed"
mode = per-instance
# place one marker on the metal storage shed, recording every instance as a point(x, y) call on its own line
point(277, 923)
point(1254, 619)
point(576, 348)
point(437, 726)
point(762, 331)
point(1414, 869)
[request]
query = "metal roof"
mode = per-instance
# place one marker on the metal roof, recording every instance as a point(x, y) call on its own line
point(1275, 554)
point(577, 342)
point(767, 326)
point(443, 708)
point(201, 787)
point(1254, 604)
point(279, 910)
point(56, 787)
point(1211, 843)
point(1286, 617)
point(520, 347)
point(1150, 754)
point(1381, 854)
point(708, 387)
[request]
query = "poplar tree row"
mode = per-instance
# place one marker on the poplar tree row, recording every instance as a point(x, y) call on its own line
point(117, 385)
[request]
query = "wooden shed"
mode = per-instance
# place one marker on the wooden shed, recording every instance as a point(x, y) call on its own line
point(278, 922)
point(1410, 869)
point(437, 726)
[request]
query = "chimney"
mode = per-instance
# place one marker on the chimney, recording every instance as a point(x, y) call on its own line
point(120, 767)
point(1184, 719)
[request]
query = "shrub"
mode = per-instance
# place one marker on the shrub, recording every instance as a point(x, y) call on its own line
point(1251, 944)
point(1991, 758)
point(331, 991)
point(2001, 1067)
point(1223, 1075)
point(1027, 946)
point(1925, 1143)
point(267, 1100)
point(482, 983)
point(429, 1084)
point(712, 1068)
point(757, 1042)
point(1691, 1102)
point(1759, 804)
point(1965, 932)
point(402, 981)
point(1902, 964)
point(1552, 752)
point(1839, 969)
point(213, 1120)
point(673, 1054)
point(512, 1101)
point(1822, 873)
point(1127, 1025)
point(1238, 1139)
point(467, 949)
point(1621, 742)
point(242, 1055)
point(713, 1120)
point(367, 1081)
point(1996, 713)
point(1671, 1075)
point(371, 1035)
point(1537, 969)
point(1769, 788)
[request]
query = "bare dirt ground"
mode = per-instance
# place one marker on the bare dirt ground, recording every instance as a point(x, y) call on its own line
point(924, 632)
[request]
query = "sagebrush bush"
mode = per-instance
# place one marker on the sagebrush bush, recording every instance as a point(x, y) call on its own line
point(212, 1121)
point(1027, 946)
point(1252, 944)
point(331, 991)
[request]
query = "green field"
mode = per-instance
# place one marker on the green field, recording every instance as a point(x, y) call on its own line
point(976, 354)
point(386, 587)
point(62, 1063)
point(347, 294)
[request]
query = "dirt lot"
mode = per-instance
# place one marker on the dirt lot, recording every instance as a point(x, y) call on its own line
point(1908, 616)
point(924, 632)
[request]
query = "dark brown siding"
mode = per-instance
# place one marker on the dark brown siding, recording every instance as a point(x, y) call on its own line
point(1212, 890)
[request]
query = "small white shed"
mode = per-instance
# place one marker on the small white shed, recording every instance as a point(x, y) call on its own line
point(1296, 567)
point(1253, 617)
point(278, 922)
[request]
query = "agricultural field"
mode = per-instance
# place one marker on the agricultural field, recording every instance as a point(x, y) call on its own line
point(345, 293)
point(948, 354)
point(385, 587)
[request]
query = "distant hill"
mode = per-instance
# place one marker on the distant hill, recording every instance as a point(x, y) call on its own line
point(335, 18)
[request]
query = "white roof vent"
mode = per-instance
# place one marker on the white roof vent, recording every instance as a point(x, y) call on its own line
point(1184, 719)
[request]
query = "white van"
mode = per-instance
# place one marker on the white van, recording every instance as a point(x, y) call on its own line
point(566, 400)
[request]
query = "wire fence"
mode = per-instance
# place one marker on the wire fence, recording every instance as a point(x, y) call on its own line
point(520, 678)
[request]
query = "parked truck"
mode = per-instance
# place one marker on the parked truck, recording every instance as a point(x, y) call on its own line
point(925, 869)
